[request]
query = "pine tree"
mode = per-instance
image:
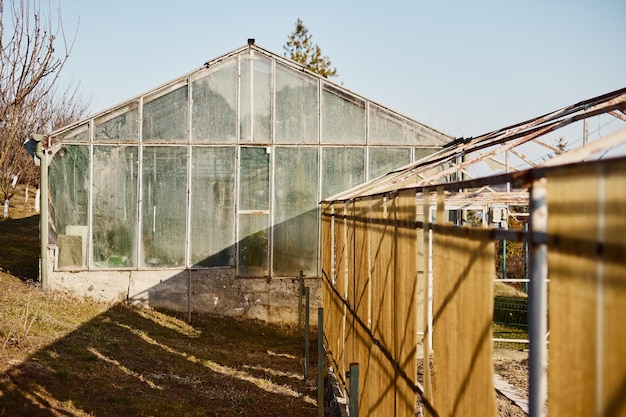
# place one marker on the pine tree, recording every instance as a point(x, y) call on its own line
point(300, 48)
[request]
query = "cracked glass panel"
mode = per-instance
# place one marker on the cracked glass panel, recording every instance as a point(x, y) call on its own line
point(77, 134)
point(120, 125)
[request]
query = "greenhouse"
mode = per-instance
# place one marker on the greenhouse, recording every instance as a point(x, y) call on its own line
point(202, 194)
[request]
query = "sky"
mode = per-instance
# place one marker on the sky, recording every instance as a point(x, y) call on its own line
point(462, 67)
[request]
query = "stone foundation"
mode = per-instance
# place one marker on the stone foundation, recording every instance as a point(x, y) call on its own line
point(215, 291)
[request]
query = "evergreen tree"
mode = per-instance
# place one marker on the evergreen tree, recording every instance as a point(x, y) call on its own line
point(300, 48)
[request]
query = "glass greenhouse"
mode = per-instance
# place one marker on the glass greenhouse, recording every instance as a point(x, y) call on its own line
point(223, 167)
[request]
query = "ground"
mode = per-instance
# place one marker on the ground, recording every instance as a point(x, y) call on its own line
point(512, 366)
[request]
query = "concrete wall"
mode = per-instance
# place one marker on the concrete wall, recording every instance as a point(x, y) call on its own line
point(215, 291)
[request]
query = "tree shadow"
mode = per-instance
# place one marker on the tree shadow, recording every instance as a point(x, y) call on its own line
point(141, 362)
point(20, 247)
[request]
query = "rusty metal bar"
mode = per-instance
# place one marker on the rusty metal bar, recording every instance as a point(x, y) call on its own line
point(320, 362)
point(306, 333)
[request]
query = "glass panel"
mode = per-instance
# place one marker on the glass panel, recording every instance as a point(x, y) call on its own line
point(255, 179)
point(214, 112)
point(253, 244)
point(165, 117)
point(384, 160)
point(213, 206)
point(120, 125)
point(419, 153)
point(297, 107)
point(343, 168)
point(78, 134)
point(343, 117)
point(164, 206)
point(256, 99)
point(295, 236)
point(386, 128)
point(69, 183)
point(114, 206)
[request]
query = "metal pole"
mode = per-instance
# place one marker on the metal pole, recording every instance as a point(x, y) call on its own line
point(538, 301)
point(306, 334)
point(300, 293)
point(526, 260)
point(503, 258)
point(43, 215)
point(354, 390)
point(320, 362)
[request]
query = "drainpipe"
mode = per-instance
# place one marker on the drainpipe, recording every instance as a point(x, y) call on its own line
point(43, 215)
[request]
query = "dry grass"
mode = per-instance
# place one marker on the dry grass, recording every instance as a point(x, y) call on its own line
point(502, 289)
point(62, 356)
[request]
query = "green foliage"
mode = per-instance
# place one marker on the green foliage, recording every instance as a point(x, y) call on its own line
point(515, 254)
point(300, 48)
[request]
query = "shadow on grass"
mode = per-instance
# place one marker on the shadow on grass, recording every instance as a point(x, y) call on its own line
point(130, 362)
point(20, 246)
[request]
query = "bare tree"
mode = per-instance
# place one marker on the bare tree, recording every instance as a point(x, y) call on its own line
point(33, 51)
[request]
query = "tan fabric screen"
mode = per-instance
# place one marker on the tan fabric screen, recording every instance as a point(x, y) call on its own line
point(332, 310)
point(359, 297)
point(333, 264)
point(587, 291)
point(463, 272)
point(341, 285)
point(382, 325)
point(406, 305)
point(392, 314)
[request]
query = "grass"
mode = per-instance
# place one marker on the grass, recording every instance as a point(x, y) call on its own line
point(60, 355)
point(502, 331)
point(501, 289)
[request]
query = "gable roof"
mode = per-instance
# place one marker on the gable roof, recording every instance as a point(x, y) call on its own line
point(434, 137)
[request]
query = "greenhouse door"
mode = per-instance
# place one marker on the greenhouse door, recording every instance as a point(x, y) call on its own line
point(254, 213)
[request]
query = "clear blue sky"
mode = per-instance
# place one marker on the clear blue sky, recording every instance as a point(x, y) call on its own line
point(463, 67)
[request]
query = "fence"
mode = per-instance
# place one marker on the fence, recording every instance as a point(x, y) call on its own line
point(394, 280)
point(510, 311)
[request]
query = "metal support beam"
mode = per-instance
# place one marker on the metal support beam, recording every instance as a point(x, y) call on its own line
point(306, 333)
point(320, 362)
point(538, 301)
point(354, 389)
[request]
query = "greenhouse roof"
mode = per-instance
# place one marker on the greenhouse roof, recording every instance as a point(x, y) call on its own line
point(494, 149)
point(250, 52)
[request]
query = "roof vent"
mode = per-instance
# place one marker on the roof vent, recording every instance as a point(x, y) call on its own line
point(250, 41)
